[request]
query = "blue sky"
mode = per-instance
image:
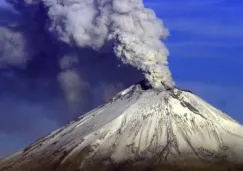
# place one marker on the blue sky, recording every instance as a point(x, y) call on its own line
point(206, 47)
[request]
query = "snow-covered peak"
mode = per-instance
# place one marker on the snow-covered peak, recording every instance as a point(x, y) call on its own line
point(139, 128)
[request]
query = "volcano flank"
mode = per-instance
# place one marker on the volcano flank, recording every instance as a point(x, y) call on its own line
point(139, 129)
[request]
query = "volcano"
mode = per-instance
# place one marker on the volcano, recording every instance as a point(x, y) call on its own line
point(139, 129)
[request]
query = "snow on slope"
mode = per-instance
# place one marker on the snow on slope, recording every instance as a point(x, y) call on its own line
point(140, 125)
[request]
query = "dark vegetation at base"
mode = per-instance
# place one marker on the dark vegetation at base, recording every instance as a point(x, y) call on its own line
point(55, 163)
point(127, 167)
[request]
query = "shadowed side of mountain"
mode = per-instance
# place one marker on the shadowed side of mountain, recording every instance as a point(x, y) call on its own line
point(73, 164)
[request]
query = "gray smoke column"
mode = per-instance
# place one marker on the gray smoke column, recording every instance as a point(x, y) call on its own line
point(72, 83)
point(133, 32)
point(80, 43)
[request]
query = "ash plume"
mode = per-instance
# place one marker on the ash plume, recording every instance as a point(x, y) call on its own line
point(133, 31)
point(81, 43)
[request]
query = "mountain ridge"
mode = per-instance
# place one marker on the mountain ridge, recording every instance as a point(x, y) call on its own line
point(139, 129)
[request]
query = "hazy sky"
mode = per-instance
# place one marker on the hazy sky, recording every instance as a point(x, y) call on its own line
point(206, 47)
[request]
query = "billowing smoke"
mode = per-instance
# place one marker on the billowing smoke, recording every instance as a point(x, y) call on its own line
point(133, 32)
point(82, 42)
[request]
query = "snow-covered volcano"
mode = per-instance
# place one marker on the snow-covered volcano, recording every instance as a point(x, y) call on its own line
point(139, 129)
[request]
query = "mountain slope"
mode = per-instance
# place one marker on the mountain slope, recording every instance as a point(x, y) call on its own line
point(139, 129)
